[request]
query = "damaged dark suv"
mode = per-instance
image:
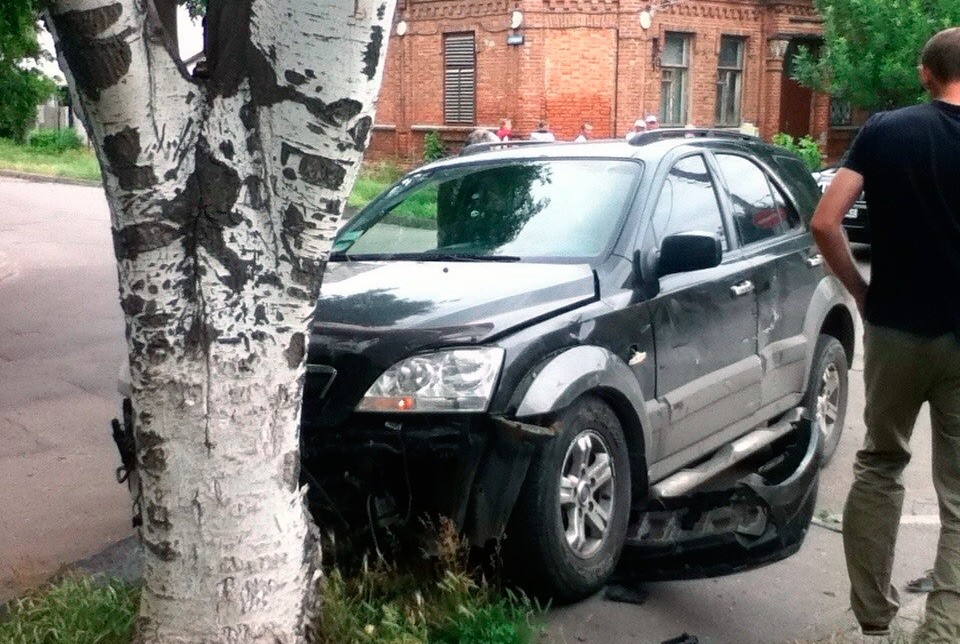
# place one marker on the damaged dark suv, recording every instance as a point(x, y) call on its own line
point(590, 350)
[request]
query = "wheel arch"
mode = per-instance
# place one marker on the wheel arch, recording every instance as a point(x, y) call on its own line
point(562, 379)
point(830, 312)
point(839, 324)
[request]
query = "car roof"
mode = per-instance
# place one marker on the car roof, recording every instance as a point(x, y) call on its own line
point(649, 146)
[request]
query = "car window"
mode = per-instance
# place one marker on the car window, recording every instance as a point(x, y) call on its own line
point(688, 202)
point(757, 215)
point(557, 209)
point(792, 219)
point(797, 177)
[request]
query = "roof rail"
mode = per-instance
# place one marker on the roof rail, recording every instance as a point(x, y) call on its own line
point(643, 138)
point(499, 145)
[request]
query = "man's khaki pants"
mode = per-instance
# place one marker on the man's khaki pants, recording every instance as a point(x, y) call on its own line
point(902, 372)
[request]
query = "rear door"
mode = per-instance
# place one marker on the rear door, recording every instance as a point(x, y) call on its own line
point(788, 268)
point(708, 371)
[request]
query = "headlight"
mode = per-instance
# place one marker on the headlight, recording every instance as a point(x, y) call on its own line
point(459, 380)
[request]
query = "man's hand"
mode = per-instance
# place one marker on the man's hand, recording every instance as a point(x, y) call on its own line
point(827, 228)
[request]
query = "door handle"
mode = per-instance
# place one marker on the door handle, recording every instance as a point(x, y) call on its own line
point(813, 260)
point(744, 287)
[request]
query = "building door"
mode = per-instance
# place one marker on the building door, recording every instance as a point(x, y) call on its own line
point(795, 99)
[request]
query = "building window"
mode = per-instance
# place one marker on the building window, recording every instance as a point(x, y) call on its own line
point(674, 83)
point(459, 78)
point(730, 80)
point(841, 113)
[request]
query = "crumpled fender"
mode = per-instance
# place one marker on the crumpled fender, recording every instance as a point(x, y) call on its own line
point(564, 377)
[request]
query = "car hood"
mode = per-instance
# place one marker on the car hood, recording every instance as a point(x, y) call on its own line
point(370, 315)
point(468, 301)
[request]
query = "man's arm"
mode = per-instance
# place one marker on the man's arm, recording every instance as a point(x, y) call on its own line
point(828, 231)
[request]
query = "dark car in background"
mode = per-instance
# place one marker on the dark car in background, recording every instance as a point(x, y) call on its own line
point(856, 223)
point(587, 349)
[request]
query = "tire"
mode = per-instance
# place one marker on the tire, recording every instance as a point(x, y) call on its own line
point(829, 372)
point(539, 554)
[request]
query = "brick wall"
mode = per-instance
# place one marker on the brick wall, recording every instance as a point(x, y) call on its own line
point(580, 60)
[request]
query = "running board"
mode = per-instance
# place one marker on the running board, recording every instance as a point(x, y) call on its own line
point(726, 457)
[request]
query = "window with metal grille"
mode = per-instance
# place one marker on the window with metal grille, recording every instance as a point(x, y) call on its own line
point(841, 112)
point(459, 78)
point(730, 80)
point(674, 79)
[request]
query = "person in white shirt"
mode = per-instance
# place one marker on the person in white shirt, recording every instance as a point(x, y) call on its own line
point(639, 127)
point(542, 133)
point(586, 132)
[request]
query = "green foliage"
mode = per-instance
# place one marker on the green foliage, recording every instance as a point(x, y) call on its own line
point(196, 8)
point(872, 48)
point(75, 611)
point(433, 147)
point(55, 141)
point(74, 164)
point(448, 604)
point(806, 148)
point(373, 180)
point(22, 86)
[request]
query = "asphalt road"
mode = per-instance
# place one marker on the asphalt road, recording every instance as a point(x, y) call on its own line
point(61, 339)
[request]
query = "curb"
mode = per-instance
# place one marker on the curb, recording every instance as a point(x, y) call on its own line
point(45, 178)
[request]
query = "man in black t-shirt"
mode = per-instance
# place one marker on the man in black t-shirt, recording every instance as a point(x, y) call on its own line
point(908, 163)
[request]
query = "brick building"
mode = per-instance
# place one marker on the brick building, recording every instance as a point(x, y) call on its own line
point(454, 65)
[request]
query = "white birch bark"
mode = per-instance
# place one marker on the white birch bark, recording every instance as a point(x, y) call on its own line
point(225, 192)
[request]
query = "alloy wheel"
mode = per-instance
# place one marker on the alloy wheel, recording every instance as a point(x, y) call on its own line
point(828, 401)
point(587, 493)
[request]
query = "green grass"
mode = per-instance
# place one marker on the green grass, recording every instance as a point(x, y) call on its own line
point(373, 179)
point(82, 164)
point(442, 602)
point(447, 603)
point(74, 611)
point(72, 164)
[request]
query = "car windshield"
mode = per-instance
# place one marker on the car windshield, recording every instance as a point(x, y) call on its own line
point(544, 210)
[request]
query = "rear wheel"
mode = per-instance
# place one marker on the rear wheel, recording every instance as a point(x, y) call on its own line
point(826, 396)
point(570, 521)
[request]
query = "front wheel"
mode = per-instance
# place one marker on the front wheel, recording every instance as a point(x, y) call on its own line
point(826, 396)
point(570, 522)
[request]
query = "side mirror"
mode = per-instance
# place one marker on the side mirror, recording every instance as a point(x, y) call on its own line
point(690, 251)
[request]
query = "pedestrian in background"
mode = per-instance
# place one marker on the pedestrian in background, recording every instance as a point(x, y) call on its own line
point(639, 127)
point(481, 135)
point(542, 133)
point(908, 162)
point(506, 129)
point(586, 132)
point(651, 122)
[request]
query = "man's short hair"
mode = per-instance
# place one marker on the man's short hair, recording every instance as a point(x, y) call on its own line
point(941, 55)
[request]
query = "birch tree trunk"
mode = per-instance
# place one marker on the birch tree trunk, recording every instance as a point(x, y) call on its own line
point(225, 190)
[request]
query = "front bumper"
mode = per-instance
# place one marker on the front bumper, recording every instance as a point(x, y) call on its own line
point(386, 472)
point(857, 224)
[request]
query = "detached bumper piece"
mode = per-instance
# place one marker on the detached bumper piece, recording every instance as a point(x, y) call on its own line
point(763, 517)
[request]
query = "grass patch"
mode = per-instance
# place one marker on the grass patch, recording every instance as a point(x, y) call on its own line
point(443, 601)
point(448, 602)
point(72, 164)
point(373, 180)
point(75, 611)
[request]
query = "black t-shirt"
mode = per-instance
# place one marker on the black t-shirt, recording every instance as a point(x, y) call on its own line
point(910, 162)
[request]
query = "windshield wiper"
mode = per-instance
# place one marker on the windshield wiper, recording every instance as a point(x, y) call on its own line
point(466, 257)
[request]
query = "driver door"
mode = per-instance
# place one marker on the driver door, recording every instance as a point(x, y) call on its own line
point(704, 322)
